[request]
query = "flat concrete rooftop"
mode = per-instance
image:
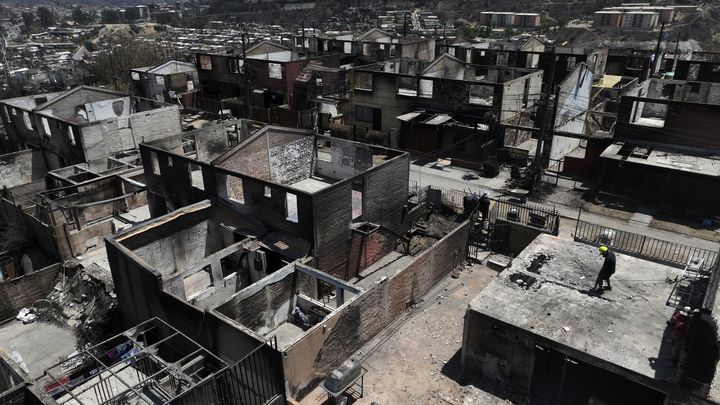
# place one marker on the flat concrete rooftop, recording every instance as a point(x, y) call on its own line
point(668, 158)
point(624, 327)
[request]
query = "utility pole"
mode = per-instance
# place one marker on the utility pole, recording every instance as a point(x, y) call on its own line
point(538, 162)
point(656, 62)
point(405, 25)
point(302, 24)
point(675, 55)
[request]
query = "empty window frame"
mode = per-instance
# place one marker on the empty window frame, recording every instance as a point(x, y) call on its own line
point(363, 81)
point(291, 209)
point(426, 88)
point(571, 62)
point(363, 113)
point(407, 86)
point(532, 60)
point(502, 59)
point(206, 62)
point(235, 65)
point(481, 95)
point(46, 126)
point(71, 135)
point(274, 70)
point(196, 178)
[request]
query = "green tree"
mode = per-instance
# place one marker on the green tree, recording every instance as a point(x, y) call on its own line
point(81, 17)
point(28, 20)
point(132, 13)
point(110, 16)
point(46, 18)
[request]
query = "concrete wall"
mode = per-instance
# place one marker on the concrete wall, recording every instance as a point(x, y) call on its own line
point(372, 310)
point(22, 167)
point(574, 101)
point(497, 351)
point(103, 138)
point(518, 96)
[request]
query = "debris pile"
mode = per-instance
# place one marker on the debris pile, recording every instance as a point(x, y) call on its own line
point(83, 299)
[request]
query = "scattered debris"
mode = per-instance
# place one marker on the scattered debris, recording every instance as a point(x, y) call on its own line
point(26, 315)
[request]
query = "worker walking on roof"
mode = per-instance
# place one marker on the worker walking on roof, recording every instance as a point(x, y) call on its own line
point(679, 323)
point(485, 207)
point(607, 270)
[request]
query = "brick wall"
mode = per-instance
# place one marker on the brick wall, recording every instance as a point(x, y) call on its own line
point(23, 291)
point(386, 192)
point(333, 213)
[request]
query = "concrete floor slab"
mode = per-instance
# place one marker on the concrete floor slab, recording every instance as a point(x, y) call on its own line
point(625, 327)
point(41, 345)
point(313, 184)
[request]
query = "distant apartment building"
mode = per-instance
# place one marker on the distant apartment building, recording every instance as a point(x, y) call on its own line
point(640, 20)
point(608, 19)
point(509, 19)
point(638, 16)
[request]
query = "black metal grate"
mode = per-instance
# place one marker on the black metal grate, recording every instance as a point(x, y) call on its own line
point(643, 246)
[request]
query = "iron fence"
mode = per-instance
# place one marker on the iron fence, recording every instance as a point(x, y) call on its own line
point(654, 249)
point(257, 379)
point(538, 216)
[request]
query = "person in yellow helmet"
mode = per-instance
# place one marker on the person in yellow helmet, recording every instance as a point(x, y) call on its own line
point(607, 270)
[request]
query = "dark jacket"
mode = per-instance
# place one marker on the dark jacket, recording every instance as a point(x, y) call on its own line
point(609, 263)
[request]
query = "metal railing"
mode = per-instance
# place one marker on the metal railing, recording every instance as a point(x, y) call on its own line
point(538, 216)
point(257, 379)
point(671, 253)
point(450, 198)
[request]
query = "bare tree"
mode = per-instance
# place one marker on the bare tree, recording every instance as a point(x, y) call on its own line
point(112, 67)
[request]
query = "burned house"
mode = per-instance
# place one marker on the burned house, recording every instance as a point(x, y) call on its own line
point(70, 210)
point(260, 84)
point(172, 82)
point(383, 93)
point(285, 178)
point(700, 66)
point(537, 328)
point(664, 151)
point(304, 241)
point(556, 63)
point(372, 46)
point(85, 124)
